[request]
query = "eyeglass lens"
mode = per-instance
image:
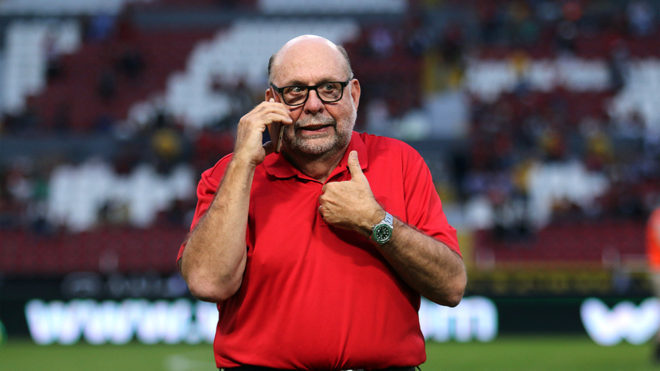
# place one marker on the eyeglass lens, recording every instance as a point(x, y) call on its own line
point(328, 92)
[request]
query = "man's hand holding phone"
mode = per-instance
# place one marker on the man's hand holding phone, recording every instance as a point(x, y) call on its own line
point(269, 115)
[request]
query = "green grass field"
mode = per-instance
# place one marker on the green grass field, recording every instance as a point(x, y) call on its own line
point(506, 353)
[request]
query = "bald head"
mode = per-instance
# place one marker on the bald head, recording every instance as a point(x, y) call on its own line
point(310, 43)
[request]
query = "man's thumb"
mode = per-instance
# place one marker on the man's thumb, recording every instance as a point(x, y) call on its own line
point(354, 166)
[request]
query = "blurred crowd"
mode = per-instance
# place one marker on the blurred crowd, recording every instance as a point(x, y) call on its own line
point(400, 64)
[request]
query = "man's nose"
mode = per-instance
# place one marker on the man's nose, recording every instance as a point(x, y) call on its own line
point(314, 103)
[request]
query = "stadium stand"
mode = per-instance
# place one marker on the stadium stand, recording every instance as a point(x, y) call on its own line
point(340, 6)
point(109, 76)
point(585, 244)
point(106, 250)
point(555, 129)
point(31, 48)
point(63, 7)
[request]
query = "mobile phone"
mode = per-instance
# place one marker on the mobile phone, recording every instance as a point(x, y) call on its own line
point(278, 144)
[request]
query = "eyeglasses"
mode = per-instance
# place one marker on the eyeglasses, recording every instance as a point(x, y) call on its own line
point(328, 92)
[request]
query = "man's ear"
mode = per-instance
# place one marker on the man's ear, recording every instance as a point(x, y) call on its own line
point(355, 92)
point(268, 94)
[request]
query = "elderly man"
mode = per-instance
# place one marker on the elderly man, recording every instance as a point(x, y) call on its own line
point(317, 246)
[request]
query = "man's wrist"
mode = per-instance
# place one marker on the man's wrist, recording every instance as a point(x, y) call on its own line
point(368, 225)
point(383, 230)
point(238, 160)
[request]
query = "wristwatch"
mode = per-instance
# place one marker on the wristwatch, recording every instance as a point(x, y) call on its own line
point(382, 232)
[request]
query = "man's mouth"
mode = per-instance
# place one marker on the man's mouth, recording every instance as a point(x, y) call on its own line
point(313, 126)
point(319, 127)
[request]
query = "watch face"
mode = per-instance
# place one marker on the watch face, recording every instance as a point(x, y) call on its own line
point(382, 233)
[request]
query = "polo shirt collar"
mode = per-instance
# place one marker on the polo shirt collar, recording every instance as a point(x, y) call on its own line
point(278, 166)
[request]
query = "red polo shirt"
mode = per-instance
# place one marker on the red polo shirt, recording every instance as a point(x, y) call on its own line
point(315, 296)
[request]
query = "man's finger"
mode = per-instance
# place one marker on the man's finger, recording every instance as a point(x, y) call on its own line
point(354, 167)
